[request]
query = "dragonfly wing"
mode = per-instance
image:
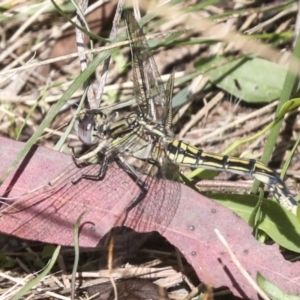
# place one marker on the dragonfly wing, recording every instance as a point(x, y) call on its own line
point(148, 87)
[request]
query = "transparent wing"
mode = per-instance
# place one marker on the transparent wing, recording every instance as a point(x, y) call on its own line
point(149, 89)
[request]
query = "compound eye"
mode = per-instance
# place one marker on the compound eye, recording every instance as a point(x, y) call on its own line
point(87, 132)
point(131, 119)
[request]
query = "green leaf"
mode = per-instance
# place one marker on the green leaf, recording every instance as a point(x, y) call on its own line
point(48, 251)
point(252, 79)
point(6, 262)
point(274, 292)
point(281, 225)
point(181, 98)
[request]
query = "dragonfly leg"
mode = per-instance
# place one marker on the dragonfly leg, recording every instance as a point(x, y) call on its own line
point(102, 170)
point(78, 165)
point(141, 184)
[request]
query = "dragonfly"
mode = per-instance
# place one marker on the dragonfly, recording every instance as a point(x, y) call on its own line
point(134, 150)
point(149, 151)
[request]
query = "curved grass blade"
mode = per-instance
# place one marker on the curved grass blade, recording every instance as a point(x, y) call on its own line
point(40, 277)
point(290, 86)
point(76, 260)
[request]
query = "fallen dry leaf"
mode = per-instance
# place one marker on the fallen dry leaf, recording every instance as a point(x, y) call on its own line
point(185, 218)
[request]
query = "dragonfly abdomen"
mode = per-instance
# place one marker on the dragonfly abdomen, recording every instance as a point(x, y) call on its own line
point(181, 153)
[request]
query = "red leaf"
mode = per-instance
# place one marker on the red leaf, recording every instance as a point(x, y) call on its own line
point(183, 216)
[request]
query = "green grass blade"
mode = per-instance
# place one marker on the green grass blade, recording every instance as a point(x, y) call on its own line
point(68, 130)
point(76, 260)
point(40, 277)
point(55, 110)
point(87, 32)
point(290, 85)
point(32, 109)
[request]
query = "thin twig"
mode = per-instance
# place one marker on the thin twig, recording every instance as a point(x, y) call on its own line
point(240, 267)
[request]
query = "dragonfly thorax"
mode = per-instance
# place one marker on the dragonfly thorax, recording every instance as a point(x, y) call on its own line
point(147, 126)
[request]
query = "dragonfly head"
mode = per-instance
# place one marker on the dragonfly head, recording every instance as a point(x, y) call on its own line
point(86, 129)
point(132, 120)
point(93, 127)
